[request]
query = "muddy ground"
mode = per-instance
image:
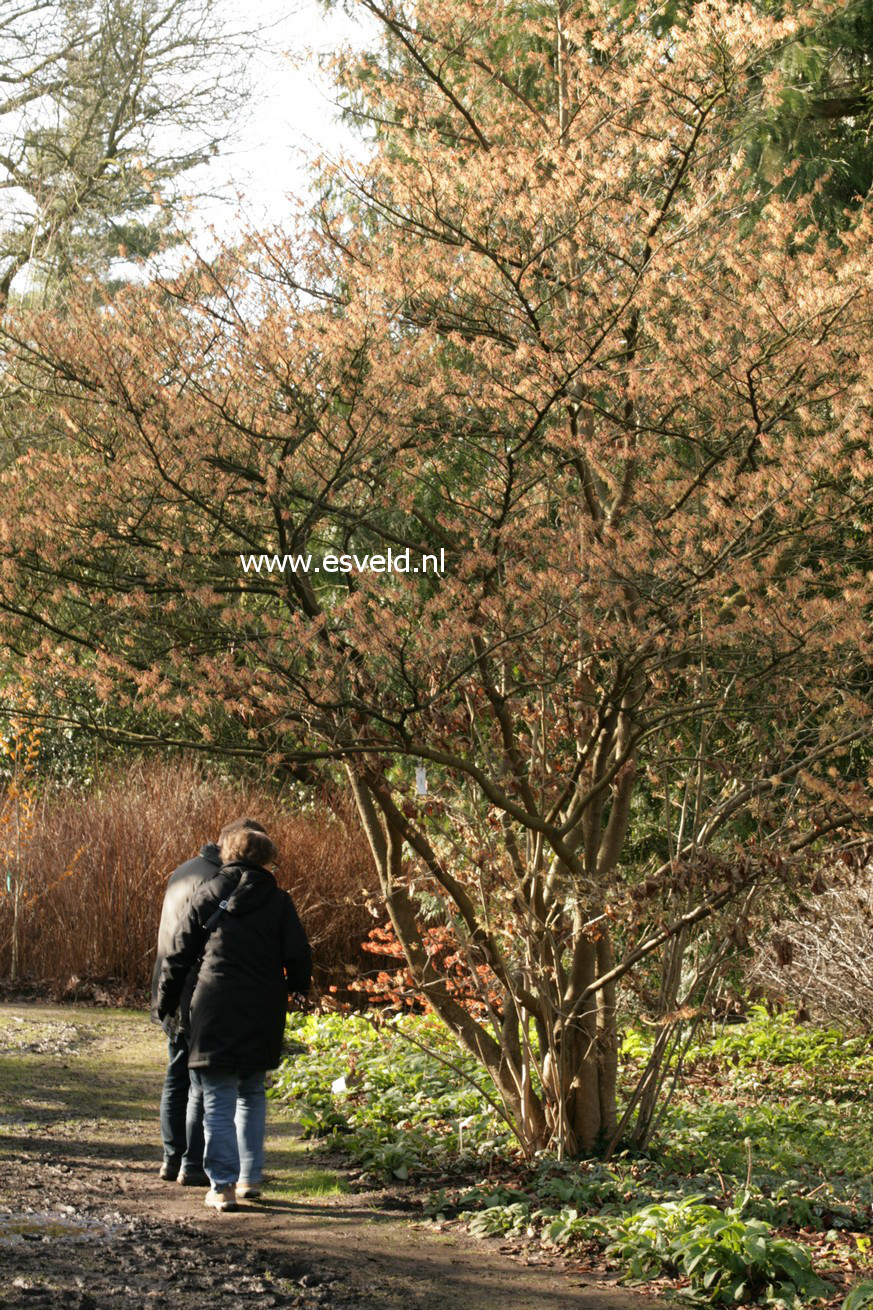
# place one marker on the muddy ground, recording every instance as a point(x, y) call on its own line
point(86, 1223)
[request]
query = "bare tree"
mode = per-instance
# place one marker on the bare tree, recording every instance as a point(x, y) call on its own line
point(105, 107)
point(819, 955)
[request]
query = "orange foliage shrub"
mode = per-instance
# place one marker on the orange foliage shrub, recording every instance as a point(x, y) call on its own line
point(469, 982)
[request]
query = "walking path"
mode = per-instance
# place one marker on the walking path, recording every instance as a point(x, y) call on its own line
point(86, 1223)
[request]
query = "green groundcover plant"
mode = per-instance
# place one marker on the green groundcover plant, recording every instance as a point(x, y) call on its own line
point(401, 1109)
point(756, 1191)
point(726, 1258)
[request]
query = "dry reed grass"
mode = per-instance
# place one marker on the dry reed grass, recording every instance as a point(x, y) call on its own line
point(96, 865)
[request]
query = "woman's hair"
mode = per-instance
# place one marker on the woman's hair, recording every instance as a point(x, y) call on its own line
point(245, 841)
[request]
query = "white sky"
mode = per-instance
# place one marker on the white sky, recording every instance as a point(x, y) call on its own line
point(291, 117)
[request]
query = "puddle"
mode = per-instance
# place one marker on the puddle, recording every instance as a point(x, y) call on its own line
point(17, 1228)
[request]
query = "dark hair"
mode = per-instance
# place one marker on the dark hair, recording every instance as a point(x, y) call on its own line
point(239, 844)
point(240, 823)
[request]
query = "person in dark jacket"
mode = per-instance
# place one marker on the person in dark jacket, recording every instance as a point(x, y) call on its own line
point(253, 952)
point(181, 1124)
point(183, 1140)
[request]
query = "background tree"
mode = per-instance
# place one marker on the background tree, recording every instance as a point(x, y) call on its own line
point(822, 118)
point(108, 106)
point(819, 120)
point(545, 338)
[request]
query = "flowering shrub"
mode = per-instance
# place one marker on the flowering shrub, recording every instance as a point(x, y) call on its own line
point(472, 984)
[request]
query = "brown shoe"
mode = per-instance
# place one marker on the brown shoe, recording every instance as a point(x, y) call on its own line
point(248, 1191)
point(193, 1178)
point(221, 1198)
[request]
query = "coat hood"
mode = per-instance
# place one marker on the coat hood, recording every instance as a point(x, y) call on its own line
point(254, 887)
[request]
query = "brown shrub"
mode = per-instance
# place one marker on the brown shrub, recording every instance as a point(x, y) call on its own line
point(97, 863)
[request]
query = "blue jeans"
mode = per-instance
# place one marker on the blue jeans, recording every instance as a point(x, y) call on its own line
point(181, 1124)
point(234, 1119)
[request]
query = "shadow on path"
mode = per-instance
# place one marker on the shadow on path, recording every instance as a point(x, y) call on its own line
point(79, 1150)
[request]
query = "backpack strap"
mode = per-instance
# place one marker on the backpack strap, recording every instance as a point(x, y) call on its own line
point(207, 932)
point(213, 919)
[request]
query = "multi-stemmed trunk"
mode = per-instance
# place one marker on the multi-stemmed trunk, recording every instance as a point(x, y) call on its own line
point(550, 1041)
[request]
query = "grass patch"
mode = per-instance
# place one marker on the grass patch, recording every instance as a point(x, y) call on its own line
point(56, 1069)
point(313, 1182)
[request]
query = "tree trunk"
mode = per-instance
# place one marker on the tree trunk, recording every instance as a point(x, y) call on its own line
point(607, 1041)
point(580, 1065)
point(576, 1112)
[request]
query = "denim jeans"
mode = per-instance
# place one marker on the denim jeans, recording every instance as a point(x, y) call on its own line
point(234, 1119)
point(181, 1123)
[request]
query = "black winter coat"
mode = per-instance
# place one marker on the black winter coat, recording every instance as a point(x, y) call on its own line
point(238, 1009)
point(184, 882)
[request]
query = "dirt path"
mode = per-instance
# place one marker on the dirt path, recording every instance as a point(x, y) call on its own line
point(86, 1223)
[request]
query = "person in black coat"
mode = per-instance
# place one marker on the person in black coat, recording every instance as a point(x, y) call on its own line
point(252, 952)
point(182, 1138)
point(181, 1121)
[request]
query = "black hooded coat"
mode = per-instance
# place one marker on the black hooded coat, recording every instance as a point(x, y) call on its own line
point(240, 1000)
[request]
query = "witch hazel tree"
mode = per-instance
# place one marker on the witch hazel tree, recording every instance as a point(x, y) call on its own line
point(553, 331)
